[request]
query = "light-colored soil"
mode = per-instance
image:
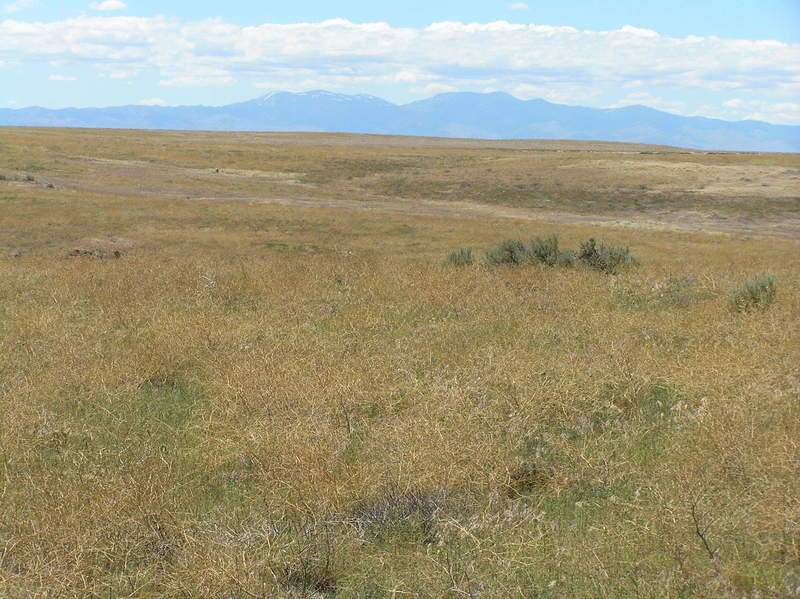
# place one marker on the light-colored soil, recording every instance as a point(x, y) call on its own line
point(739, 180)
point(688, 221)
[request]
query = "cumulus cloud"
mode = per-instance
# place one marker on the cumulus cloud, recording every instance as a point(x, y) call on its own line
point(117, 74)
point(559, 63)
point(518, 6)
point(18, 5)
point(108, 5)
point(197, 76)
point(759, 110)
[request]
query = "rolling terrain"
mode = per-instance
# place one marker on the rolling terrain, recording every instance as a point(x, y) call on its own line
point(462, 115)
point(235, 365)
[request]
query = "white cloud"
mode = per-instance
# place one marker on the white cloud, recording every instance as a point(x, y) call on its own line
point(435, 88)
point(562, 64)
point(18, 5)
point(117, 74)
point(518, 6)
point(62, 78)
point(153, 102)
point(108, 5)
point(759, 110)
point(197, 76)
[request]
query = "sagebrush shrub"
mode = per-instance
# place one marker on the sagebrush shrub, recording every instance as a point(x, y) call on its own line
point(460, 257)
point(757, 293)
point(545, 250)
point(566, 258)
point(510, 252)
point(605, 258)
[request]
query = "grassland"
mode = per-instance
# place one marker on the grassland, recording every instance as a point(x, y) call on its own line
point(279, 390)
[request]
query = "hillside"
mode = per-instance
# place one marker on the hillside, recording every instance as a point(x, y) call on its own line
point(460, 115)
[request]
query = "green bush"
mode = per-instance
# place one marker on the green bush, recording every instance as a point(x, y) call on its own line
point(460, 257)
point(606, 258)
point(510, 252)
point(567, 258)
point(546, 252)
point(757, 293)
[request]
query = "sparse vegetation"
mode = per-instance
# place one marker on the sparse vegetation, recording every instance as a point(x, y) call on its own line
point(757, 293)
point(671, 292)
point(296, 400)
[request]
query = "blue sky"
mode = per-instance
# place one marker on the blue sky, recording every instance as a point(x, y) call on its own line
point(728, 59)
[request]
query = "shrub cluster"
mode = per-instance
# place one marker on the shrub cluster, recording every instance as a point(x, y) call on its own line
point(25, 178)
point(757, 293)
point(545, 250)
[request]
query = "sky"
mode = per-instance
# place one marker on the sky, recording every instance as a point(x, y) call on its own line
point(731, 59)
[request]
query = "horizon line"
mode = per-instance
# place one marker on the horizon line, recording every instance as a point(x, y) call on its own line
point(271, 93)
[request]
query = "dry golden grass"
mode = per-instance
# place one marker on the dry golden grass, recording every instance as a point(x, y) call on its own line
point(264, 400)
point(734, 192)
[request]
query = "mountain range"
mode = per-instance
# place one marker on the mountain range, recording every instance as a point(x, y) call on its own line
point(459, 114)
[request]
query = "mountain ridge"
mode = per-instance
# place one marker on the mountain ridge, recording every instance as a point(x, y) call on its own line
point(495, 115)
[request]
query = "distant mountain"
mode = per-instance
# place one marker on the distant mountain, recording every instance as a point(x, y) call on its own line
point(489, 116)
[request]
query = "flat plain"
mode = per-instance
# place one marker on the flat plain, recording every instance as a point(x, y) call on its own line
point(236, 365)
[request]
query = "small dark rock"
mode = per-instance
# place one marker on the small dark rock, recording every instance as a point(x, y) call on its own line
point(82, 252)
point(96, 253)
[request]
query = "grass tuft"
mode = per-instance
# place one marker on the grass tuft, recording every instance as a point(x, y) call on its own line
point(460, 257)
point(410, 515)
point(757, 293)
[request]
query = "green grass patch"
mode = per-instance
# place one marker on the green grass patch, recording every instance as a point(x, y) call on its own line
point(671, 293)
point(757, 293)
point(293, 248)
